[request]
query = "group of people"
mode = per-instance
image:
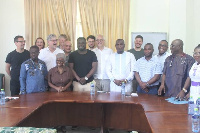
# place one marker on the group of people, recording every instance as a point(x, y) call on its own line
point(57, 68)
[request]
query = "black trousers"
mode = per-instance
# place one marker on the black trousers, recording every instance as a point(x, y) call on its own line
point(14, 87)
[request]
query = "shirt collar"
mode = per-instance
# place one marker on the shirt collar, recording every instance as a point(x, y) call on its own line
point(162, 54)
point(64, 69)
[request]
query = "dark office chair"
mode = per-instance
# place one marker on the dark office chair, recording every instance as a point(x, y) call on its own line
point(2, 81)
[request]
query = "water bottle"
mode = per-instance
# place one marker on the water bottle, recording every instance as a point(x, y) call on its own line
point(198, 104)
point(2, 93)
point(123, 89)
point(92, 88)
point(190, 106)
point(195, 121)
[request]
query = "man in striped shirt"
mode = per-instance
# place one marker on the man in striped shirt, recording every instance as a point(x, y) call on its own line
point(147, 71)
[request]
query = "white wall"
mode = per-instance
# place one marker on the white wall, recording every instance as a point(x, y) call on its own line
point(11, 24)
point(179, 18)
point(193, 25)
point(149, 16)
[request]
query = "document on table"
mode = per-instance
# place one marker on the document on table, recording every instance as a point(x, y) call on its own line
point(176, 101)
point(134, 94)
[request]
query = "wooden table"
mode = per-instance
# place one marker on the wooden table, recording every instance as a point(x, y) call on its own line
point(145, 113)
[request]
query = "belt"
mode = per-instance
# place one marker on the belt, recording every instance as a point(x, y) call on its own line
point(195, 83)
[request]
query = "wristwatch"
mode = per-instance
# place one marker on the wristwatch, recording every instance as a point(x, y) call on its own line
point(86, 78)
point(184, 90)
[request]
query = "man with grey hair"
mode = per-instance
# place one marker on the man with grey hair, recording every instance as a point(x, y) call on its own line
point(62, 40)
point(48, 54)
point(67, 50)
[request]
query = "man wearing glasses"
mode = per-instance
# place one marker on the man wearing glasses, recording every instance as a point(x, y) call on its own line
point(176, 70)
point(48, 54)
point(101, 78)
point(163, 54)
point(13, 64)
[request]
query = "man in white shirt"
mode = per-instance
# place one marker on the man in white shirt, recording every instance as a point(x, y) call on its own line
point(120, 68)
point(48, 54)
point(102, 53)
point(163, 54)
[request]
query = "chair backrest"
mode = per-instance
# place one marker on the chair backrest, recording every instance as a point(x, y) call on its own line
point(2, 81)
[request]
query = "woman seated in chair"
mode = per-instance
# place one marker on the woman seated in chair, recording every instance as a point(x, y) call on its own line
point(60, 77)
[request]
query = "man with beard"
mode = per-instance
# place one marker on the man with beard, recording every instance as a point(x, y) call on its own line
point(176, 70)
point(138, 52)
point(83, 63)
point(48, 54)
point(91, 42)
point(147, 72)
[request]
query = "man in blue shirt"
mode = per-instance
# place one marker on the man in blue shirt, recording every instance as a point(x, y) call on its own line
point(32, 74)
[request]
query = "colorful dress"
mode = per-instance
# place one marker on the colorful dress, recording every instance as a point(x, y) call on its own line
point(195, 81)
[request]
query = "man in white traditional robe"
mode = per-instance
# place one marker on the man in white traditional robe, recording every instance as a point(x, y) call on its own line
point(120, 68)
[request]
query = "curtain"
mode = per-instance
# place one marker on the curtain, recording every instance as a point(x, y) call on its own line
point(107, 17)
point(44, 17)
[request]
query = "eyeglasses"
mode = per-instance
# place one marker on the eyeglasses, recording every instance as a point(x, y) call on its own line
point(172, 45)
point(196, 53)
point(60, 61)
point(54, 40)
point(21, 41)
point(99, 40)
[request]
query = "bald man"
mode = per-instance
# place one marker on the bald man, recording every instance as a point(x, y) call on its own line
point(176, 70)
point(67, 50)
point(102, 52)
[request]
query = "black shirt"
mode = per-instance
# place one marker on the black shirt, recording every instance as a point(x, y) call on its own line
point(15, 59)
point(83, 63)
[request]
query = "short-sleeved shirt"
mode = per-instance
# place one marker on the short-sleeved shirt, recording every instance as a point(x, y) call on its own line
point(49, 57)
point(58, 79)
point(176, 70)
point(32, 77)
point(15, 59)
point(137, 54)
point(83, 63)
point(147, 69)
